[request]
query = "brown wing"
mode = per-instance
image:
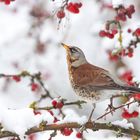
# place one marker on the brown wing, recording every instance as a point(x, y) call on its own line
point(89, 75)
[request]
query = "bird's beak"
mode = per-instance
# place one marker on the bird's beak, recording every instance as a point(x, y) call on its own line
point(65, 46)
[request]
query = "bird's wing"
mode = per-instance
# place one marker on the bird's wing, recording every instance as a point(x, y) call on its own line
point(95, 77)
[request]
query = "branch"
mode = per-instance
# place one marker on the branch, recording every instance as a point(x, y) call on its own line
point(36, 76)
point(114, 109)
point(4, 134)
point(78, 103)
point(89, 125)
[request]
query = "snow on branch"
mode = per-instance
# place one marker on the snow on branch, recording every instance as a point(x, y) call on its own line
point(89, 125)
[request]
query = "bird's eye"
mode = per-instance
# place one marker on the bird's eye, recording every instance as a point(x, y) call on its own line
point(73, 50)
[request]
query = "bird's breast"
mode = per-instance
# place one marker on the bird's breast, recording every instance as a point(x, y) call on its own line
point(86, 93)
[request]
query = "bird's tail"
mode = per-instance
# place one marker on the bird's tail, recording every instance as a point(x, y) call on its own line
point(131, 89)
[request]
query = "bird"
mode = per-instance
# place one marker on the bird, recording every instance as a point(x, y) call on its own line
point(92, 83)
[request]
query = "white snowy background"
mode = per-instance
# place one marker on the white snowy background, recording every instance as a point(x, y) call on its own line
point(17, 53)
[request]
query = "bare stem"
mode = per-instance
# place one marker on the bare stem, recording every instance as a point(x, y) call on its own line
point(114, 109)
point(78, 103)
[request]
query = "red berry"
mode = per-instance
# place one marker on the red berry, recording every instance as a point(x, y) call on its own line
point(114, 31)
point(109, 35)
point(59, 105)
point(127, 76)
point(130, 54)
point(34, 86)
point(72, 7)
point(135, 114)
point(79, 135)
point(54, 103)
point(136, 96)
point(112, 57)
point(102, 33)
point(137, 32)
point(121, 16)
point(66, 131)
point(126, 115)
point(7, 2)
point(129, 30)
point(130, 10)
point(122, 53)
point(16, 78)
point(79, 5)
point(61, 14)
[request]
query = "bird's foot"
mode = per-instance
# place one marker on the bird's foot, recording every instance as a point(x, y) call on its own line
point(110, 108)
point(85, 126)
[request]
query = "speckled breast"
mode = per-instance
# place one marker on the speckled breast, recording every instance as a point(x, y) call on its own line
point(86, 93)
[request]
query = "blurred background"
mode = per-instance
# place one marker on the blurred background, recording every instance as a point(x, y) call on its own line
point(30, 37)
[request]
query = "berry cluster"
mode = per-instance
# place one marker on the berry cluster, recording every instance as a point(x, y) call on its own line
point(123, 52)
point(57, 103)
point(112, 57)
point(66, 131)
point(136, 96)
point(109, 34)
point(74, 7)
point(7, 2)
point(137, 32)
point(127, 115)
point(113, 27)
point(127, 77)
point(34, 86)
point(123, 13)
point(71, 7)
point(16, 78)
point(127, 51)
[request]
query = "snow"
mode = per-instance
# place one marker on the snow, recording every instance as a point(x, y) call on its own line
point(133, 107)
point(123, 123)
point(117, 3)
point(19, 121)
point(72, 116)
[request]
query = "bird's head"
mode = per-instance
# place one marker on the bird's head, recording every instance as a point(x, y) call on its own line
point(75, 55)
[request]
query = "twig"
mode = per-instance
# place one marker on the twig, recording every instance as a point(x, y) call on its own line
point(114, 109)
point(78, 103)
point(36, 76)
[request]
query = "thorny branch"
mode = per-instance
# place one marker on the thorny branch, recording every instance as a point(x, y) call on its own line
point(114, 109)
point(89, 125)
point(33, 77)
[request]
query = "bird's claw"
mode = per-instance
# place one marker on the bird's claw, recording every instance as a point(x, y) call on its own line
point(110, 108)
